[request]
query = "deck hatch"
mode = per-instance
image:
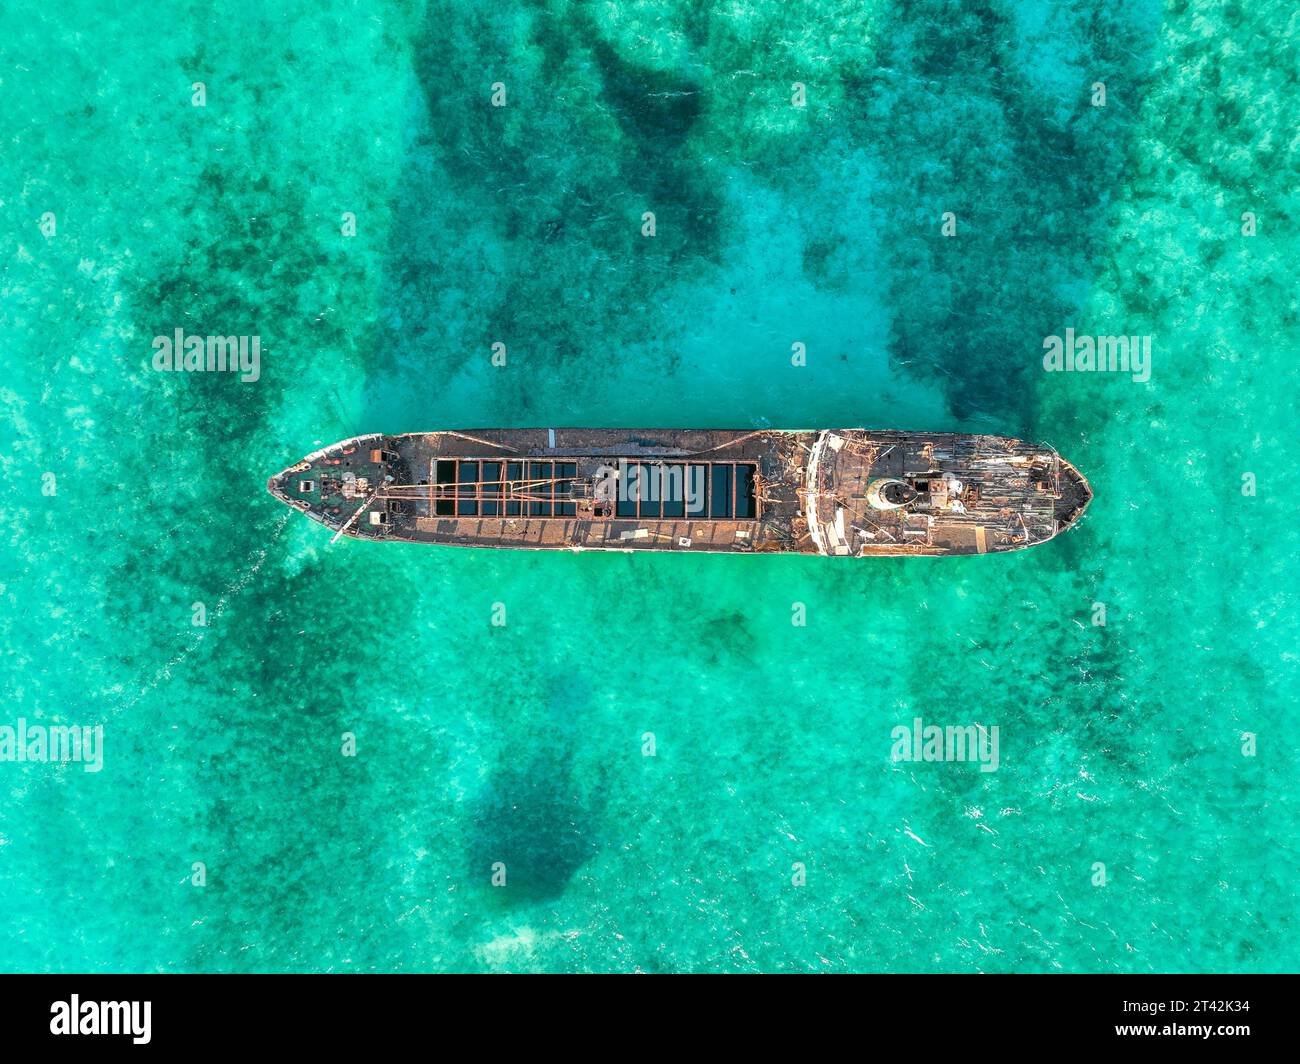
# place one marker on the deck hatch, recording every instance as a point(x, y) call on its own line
point(720, 501)
point(491, 489)
point(649, 491)
point(514, 473)
point(467, 490)
point(565, 473)
point(445, 476)
point(745, 491)
point(673, 490)
point(539, 489)
point(697, 497)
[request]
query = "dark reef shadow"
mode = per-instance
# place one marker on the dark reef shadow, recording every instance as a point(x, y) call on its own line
point(961, 109)
point(538, 814)
point(1028, 168)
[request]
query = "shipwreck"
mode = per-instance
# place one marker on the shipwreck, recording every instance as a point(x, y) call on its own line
point(842, 492)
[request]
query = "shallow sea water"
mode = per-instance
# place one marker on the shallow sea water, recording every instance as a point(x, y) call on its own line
point(523, 744)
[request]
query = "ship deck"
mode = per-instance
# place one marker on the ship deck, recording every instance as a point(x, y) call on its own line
point(776, 524)
point(725, 490)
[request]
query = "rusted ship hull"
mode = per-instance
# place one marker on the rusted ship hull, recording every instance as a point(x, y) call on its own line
point(841, 492)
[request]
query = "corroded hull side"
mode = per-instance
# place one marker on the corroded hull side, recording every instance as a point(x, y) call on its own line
point(847, 492)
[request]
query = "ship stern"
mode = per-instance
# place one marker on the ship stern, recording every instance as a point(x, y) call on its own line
point(1074, 493)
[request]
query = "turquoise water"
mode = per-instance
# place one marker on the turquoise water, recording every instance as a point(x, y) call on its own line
point(523, 744)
